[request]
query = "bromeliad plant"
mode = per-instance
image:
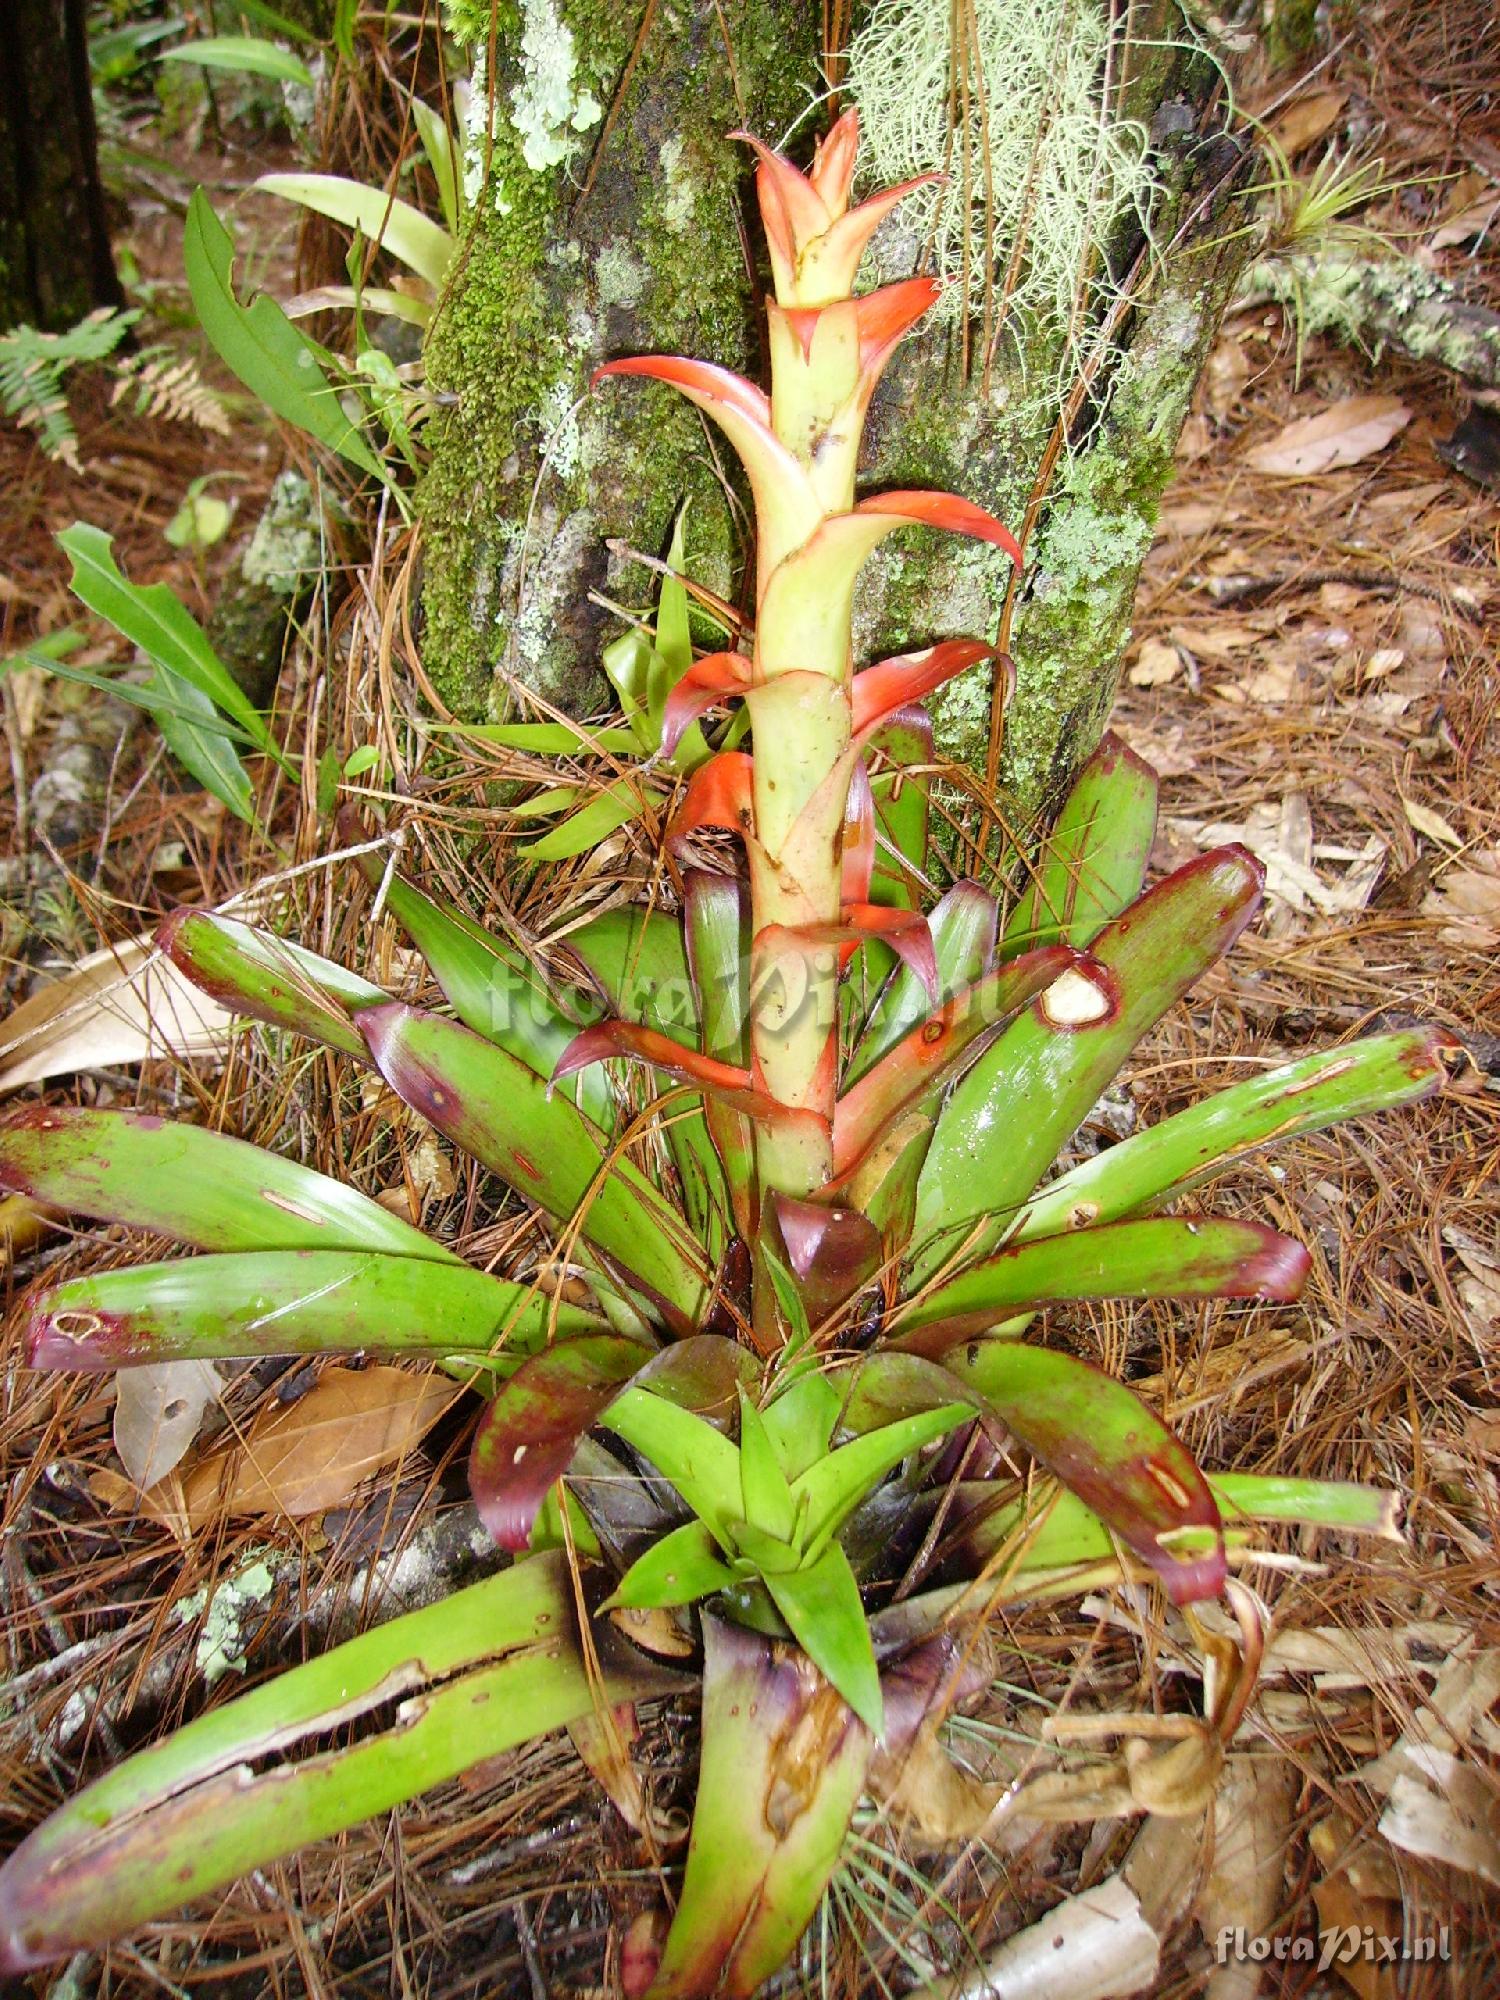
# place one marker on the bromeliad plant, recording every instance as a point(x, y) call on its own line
point(788, 1418)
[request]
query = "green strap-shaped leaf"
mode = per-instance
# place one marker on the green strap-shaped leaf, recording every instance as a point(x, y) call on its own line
point(202, 1188)
point(1093, 862)
point(549, 739)
point(679, 1569)
point(832, 1487)
point(821, 1604)
point(442, 157)
point(201, 747)
point(1191, 1147)
point(259, 344)
point(152, 617)
point(498, 1110)
point(767, 1497)
point(800, 1420)
point(244, 55)
point(702, 1465)
point(242, 1304)
point(1102, 1442)
point(380, 218)
point(899, 751)
point(268, 978)
point(1164, 1257)
point(1053, 1529)
point(615, 805)
point(770, 1817)
point(491, 1666)
point(1007, 1119)
point(638, 960)
point(494, 988)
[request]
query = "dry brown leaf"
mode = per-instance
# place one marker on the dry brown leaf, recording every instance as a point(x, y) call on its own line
point(1184, 519)
point(1467, 901)
point(1342, 434)
point(1479, 1286)
point(1306, 121)
point(1448, 1812)
point(1472, 210)
point(1167, 753)
point(1224, 377)
point(158, 1409)
point(1342, 1909)
point(1215, 638)
point(1091, 1947)
point(300, 1458)
point(1281, 836)
point(1244, 1887)
point(1156, 663)
point(118, 1005)
point(1431, 823)
point(162, 1503)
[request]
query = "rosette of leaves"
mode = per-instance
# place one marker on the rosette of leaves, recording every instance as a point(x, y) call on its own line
point(794, 1405)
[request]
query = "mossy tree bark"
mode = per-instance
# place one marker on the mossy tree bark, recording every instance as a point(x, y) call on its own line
point(608, 218)
point(594, 238)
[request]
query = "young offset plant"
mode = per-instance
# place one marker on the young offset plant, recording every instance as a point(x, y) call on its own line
point(797, 1424)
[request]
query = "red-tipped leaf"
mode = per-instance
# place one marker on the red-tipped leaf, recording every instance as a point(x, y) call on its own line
point(929, 1054)
point(1103, 1443)
point(908, 677)
point(719, 794)
point(529, 1432)
point(707, 682)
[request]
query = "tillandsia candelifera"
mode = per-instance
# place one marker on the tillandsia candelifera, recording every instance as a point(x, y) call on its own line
point(797, 1414)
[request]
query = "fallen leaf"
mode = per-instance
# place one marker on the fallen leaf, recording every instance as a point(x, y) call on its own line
point(1344, 1911)
point(1224, 377)
point(301, 1458)
point(1156, 663)
point(1479, 1286)
point(1343, 434)
point(1243, 1889)
point(1281, 836)
point(431, 1170)
point(1420, 633)
point(1307, 120)
point(162, 1503)
point(1439, 1805)
point(118, 1005)
point(1215, 638)
point(1446, 1813)
point(158, 1409)
point(1432, 824)
point(1474, 218)
point(1186, 518)
point(1167, 753)
point(1195, 441)
point(1274, 683)
point(1091, 1947)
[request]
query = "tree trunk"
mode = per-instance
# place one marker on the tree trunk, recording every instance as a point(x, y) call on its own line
point(609, 220)
point(55, 262)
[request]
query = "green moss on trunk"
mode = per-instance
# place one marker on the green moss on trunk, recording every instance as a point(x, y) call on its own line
point(530, 475)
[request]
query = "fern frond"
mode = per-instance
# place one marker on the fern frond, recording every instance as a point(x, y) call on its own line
point(168, 388)
point(32, 368)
